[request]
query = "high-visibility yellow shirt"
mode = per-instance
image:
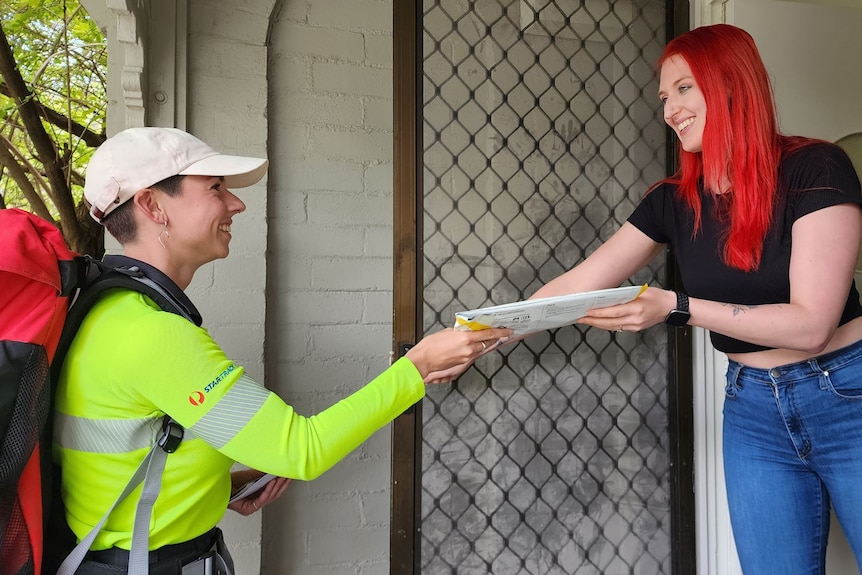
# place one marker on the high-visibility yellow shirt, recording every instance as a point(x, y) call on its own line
point(130, 364)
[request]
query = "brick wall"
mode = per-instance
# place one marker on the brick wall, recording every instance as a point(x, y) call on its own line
point(330, 264)
point(227, 105)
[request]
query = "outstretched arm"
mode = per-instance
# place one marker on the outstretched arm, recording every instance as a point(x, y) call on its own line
point(275, 439)
point(823, 258)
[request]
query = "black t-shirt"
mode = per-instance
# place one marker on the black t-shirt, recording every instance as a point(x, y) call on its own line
point(812, 178)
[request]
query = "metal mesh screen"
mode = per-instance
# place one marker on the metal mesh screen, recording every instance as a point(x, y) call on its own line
point(541, 132)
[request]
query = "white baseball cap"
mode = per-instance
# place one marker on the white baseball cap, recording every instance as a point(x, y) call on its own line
point(137, 158)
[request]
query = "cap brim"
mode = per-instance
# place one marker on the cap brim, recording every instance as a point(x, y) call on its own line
point(238, 171)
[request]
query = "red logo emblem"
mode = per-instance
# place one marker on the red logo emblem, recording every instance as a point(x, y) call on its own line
point(196, 398)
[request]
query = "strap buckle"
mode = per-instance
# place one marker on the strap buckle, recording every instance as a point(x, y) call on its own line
point(172, 435)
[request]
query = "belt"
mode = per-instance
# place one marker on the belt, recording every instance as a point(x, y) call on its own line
point(185, 551)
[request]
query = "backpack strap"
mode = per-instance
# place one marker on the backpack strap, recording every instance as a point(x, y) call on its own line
point(73, 274)
point(150, 472)
point(92, 279)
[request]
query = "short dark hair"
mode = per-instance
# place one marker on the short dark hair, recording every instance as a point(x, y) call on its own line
point(120, 222)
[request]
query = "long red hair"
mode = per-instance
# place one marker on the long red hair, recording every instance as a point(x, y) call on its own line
point(741, 142)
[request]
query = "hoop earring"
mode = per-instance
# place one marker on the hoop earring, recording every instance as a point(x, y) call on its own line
point(164, 232)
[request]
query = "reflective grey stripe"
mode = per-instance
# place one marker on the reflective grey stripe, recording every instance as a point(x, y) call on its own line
point(105, 435)
point(231, 413)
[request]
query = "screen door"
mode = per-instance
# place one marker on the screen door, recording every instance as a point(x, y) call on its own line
point(541, 130)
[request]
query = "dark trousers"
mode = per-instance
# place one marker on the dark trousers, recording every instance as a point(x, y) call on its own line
point(167, 560)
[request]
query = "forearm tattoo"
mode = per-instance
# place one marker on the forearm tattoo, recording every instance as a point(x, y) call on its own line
point(739, 308)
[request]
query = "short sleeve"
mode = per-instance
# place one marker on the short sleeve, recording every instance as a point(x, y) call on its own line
point(654, 215)
point(820, 176)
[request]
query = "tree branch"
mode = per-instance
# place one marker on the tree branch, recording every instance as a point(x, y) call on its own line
point(91, 138)
point(45, 149)
point(37, 204)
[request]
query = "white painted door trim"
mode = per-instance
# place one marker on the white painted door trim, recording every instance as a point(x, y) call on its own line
point(716, 551)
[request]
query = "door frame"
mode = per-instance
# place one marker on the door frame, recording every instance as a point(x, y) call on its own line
point(407, 286)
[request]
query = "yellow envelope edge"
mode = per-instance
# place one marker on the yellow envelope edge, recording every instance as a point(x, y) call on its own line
point(471, 325)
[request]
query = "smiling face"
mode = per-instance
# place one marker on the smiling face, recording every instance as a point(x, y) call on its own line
point(684, 103)
point(200, 220)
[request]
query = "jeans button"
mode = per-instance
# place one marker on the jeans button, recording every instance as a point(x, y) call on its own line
point(774, 372)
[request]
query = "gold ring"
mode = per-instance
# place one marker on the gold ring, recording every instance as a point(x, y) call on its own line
point(484, 346)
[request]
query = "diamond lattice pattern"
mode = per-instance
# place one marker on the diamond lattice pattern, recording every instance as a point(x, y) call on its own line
point(541, 132)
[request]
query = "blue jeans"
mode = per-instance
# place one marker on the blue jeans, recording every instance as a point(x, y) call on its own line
point(793, 447)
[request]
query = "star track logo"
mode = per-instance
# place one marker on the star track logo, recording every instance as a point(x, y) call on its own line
point(198, 397)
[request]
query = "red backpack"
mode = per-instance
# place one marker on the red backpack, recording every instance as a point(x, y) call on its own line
point(46, 291)
point(37, 274)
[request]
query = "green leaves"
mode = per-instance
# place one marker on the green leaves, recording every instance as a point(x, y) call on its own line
point(58, 72)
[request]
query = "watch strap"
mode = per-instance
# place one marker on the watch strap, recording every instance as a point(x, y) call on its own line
point(681, 301)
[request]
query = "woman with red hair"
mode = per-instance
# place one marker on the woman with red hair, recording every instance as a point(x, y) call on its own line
point(766, 231)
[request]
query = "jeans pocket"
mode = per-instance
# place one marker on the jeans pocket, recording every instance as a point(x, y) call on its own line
point(845, 383)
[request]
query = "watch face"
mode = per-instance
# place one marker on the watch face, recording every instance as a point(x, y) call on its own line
point(677, 318)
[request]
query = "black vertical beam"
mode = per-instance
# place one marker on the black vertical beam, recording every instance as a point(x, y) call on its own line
point(680, 381)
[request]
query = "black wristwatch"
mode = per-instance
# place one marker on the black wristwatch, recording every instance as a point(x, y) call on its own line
point(679, 316)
